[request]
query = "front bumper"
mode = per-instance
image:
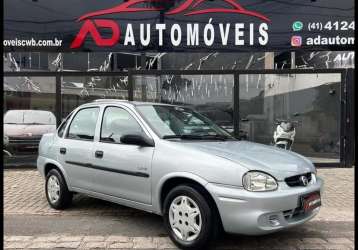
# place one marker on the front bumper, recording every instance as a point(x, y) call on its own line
point(252, 213)
point(23, 145)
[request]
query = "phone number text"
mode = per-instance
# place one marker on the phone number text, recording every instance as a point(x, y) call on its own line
point(330, 25)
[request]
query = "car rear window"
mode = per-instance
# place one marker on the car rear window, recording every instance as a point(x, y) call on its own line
point(40, 117)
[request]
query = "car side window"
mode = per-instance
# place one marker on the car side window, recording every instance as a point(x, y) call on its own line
point(83, 125)
point(117, 122)
point(63, 126)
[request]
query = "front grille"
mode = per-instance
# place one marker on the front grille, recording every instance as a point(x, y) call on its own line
point(294, 181)
point(288, 214)
point(25, 140)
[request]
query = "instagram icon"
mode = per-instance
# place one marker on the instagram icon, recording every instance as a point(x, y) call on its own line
point(296, 41)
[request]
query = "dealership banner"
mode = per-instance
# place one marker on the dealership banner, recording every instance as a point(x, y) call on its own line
point(178, 25)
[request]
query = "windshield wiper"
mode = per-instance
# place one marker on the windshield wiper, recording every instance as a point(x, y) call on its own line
point(184, 136)
point(216, 137)
point(197, 137)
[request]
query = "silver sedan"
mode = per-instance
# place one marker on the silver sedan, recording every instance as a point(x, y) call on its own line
point(175, 162)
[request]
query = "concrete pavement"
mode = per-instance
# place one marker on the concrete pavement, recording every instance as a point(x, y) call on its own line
point(29, 223)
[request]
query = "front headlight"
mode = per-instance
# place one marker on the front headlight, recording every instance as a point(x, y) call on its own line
point(258, 181)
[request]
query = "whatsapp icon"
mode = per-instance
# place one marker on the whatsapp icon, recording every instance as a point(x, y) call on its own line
point(297, 26)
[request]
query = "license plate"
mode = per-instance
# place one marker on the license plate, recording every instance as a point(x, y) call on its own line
point(311, 201)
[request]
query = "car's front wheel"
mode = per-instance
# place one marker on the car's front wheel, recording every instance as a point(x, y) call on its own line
point(188, 217)
point(57, 193)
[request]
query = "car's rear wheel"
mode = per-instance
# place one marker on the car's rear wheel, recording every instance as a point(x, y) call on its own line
point(188, 217)
point(57, 193)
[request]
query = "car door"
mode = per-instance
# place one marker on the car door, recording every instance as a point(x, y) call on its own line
point(76, 146)
point(123, 170)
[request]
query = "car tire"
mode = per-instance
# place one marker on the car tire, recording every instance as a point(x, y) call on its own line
point(57, 193)
point(178, 222)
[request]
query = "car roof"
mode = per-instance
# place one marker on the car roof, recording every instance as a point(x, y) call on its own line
point(29, 110)
point(125, 102)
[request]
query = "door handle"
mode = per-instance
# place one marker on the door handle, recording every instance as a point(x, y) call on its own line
point(98, 154)
point(63, 151)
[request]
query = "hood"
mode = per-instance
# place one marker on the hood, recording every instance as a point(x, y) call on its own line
point(278, 162)
point(19, 130)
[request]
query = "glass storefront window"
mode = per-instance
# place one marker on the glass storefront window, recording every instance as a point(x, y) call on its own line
point(75, 61)
point(324, 59)
point(214, 61)
point(79, 90)
point(211, 95)
point(29, 112)
point(32, 61)
point(147, 88)
point(310, 101)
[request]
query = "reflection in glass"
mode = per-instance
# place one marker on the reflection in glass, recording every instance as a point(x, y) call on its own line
point(29, 108)
point(210, 95)
point(312, 101)
point(79, 90)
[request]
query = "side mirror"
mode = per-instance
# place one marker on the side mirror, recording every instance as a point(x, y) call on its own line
point(139, 140)
point(296, 114)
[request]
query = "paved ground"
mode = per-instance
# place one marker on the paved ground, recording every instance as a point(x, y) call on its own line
point(30, 223)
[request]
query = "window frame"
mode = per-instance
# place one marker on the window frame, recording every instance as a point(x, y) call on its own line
point(63, 123)
point(74, 115)
point(130, 113)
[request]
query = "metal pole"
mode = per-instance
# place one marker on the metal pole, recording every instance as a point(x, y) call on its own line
point(58, 105)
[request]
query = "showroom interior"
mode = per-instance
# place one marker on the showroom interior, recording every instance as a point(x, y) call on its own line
point(245, 93)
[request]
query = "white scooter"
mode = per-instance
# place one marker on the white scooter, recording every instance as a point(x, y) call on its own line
point(284, 135)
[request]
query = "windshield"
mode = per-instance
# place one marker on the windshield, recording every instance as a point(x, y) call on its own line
point(180, 122)
point(29, 117)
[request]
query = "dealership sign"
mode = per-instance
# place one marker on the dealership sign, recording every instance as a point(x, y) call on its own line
point(179, 25)
point(192, 38)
